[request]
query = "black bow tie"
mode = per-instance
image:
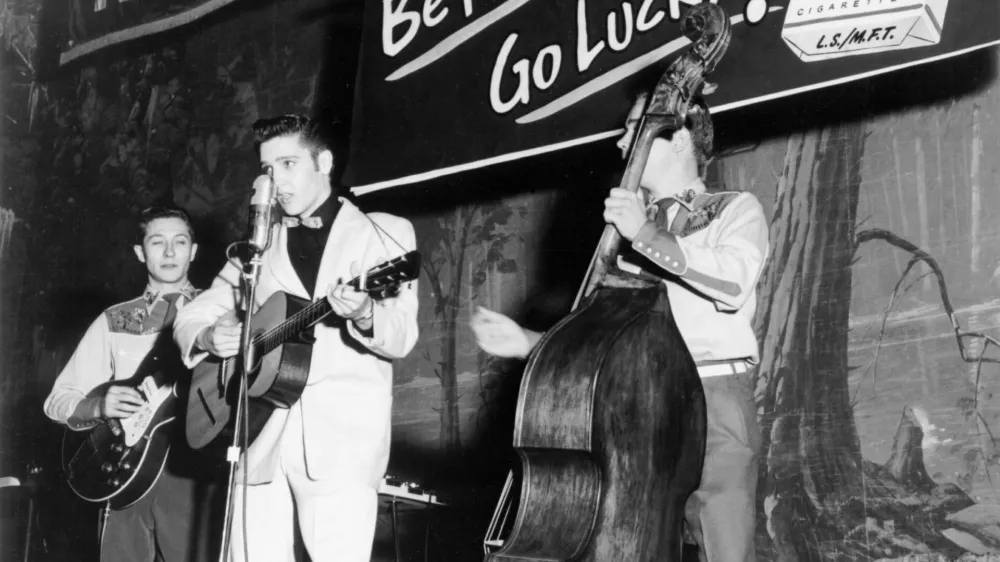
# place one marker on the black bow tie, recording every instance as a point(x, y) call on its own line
point(308, 222)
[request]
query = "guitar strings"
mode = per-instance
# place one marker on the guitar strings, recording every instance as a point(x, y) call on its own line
point(273, 337)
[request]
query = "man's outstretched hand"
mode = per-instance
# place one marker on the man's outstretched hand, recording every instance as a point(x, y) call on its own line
point(500, 336)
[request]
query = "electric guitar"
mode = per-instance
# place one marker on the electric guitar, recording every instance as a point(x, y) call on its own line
point(281, 349)
point(119, 460)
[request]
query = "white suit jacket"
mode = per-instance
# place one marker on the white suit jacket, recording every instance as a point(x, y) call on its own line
point(346, 405)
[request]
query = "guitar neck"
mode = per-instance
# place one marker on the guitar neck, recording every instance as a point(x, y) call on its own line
point(379, 278)
point(293, 326)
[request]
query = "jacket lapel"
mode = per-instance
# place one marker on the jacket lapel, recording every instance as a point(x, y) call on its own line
point(341, 247)
point(280, 265)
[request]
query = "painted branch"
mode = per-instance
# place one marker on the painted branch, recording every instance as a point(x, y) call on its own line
point(918, 256)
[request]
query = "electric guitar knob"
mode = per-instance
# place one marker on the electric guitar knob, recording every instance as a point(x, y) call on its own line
point(107, 468)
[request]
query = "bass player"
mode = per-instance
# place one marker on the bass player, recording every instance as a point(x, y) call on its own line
point(709, 249)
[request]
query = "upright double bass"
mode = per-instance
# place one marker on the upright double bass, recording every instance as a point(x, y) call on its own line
point(610, 421)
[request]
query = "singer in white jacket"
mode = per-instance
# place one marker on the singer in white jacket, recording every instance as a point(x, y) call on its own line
point(321, 459)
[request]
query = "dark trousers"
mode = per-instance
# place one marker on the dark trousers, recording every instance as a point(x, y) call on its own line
point(172, 523)
point(720, 513)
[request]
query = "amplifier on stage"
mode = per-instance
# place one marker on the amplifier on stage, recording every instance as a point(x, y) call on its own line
point(391, 487)
point(407, 497)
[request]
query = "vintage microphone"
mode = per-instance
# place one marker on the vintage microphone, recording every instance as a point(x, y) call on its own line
point(262, 211)
point(261, 218)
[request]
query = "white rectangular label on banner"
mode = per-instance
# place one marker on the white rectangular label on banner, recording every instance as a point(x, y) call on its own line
point(818, 30)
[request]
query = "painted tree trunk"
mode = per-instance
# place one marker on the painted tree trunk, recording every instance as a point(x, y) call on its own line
point(925, 227)
point(451, 433)
point(451, 439)
point(897, 257)
point(900, 187)
point(812, 449)
point(906, 463)
point(975, 207)
point(942, 197)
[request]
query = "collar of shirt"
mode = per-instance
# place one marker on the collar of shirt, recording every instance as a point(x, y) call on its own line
point(688, 199)
point(152, 295)
point(651, 207)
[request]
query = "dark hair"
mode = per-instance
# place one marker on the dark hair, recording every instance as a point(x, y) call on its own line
point(699, 122)
point(152, 213)
point(311, 133)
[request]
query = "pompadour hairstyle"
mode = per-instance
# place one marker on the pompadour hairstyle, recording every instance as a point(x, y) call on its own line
point(311, 132)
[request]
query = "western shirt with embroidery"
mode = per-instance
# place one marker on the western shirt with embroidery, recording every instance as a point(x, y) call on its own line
point(713, 248)
point(111, 349)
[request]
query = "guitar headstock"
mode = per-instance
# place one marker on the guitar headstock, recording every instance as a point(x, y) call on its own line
point(384, 279)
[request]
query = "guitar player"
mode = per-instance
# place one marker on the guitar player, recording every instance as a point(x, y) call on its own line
point(168, 523)
point(319, 461)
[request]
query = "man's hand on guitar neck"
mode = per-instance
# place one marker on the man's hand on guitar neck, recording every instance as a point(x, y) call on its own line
point(221, 339)
point(352, 304)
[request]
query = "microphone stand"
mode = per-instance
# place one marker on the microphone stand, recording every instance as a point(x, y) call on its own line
point(251, 274)
point(237, 450)
point(263, 196)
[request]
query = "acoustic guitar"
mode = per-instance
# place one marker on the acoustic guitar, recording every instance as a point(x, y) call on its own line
point(281, 349)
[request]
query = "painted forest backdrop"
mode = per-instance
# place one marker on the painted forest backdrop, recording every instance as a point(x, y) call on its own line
point(878, 309)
